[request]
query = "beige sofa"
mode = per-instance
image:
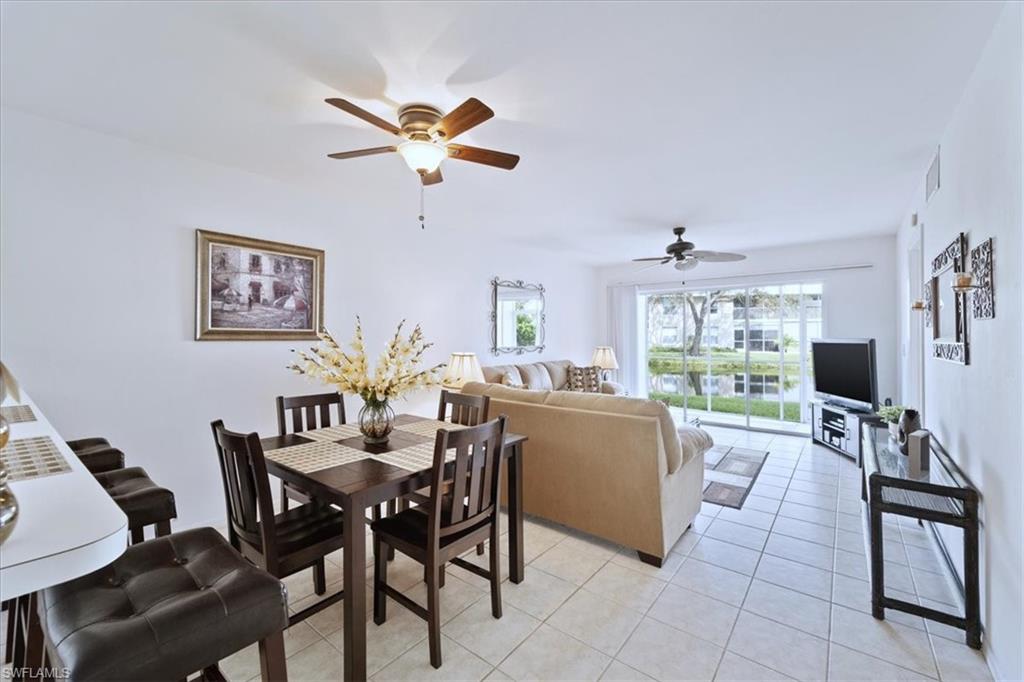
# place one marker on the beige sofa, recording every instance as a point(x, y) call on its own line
point(611, 466)
point(552, 375)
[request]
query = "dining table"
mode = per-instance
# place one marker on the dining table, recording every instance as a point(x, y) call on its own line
point(336, 466)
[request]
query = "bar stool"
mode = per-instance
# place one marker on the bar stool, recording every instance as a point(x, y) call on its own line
point(143, 501)
point(164, 610)
point(97, 454)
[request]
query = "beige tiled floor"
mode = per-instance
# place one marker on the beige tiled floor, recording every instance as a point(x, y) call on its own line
point(776, 590)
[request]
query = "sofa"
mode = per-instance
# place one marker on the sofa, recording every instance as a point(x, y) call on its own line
point(552, 375)
point(611, 466)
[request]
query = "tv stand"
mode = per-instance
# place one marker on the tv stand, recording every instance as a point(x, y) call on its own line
point(838, 427)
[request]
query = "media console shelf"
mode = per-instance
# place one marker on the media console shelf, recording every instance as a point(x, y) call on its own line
point(940, 495)
point(839, 427)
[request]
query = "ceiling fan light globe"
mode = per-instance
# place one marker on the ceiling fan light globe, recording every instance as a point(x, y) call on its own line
point(422, 157)
point(688, 264)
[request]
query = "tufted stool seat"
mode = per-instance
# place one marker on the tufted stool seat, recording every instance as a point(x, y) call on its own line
point(97, 454)
point(165, 609)
point(143, 501)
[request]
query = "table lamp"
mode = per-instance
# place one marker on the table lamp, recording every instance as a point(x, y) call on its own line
point(604, 357)
point(462, 368)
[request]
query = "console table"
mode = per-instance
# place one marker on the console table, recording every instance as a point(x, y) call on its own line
point(888, 487)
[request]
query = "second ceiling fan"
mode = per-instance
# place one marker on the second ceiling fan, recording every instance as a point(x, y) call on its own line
point(428, 134)
point(686, 256)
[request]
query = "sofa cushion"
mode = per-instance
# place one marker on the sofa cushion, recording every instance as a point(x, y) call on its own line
point(512, 380)
point(536, 376)
point(584, 380)
point(559, 371)
point(499, 392)
point(601, 402)
point(495, 373)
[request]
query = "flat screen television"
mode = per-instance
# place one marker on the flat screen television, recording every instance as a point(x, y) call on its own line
point(844, 372)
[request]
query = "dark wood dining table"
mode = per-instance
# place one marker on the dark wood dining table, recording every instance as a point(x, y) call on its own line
point(360, 485)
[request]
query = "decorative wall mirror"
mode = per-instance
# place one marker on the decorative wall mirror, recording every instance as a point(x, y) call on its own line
point(517, 316)
point(948, 309)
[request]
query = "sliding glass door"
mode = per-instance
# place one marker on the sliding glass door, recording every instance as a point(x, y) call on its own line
point(734, 356)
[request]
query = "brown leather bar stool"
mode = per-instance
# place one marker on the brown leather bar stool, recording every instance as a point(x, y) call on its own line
point(165, 609)
point(97, 454)
point(143, 501)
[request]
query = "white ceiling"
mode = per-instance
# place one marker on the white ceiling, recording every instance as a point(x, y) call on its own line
point(754, 124)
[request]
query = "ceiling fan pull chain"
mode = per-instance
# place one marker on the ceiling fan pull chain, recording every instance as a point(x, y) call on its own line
point(422, 225)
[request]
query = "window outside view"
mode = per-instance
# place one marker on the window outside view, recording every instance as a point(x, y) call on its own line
point(729, 355)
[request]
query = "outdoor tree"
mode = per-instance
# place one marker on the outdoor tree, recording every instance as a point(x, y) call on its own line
point(699, 309)
point(526, 330)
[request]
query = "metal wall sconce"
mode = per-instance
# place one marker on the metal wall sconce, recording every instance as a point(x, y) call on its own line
point(963, 283)
point(918, 306)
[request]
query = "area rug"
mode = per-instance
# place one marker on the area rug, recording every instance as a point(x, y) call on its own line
point(729, 473)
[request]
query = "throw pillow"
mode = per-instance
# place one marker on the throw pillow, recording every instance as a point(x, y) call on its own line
point(584, 379)
point(508, 379)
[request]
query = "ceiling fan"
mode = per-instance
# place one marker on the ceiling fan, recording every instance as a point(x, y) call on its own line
point(686, 257)
point(428, 134)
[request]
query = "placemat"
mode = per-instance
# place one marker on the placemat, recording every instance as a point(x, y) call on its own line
point(415, 458)
point(27, 458)
point(428, 427)
point(17, 413)
point(315, 456)
point(331, 433)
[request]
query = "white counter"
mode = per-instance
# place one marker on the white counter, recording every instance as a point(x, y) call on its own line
point(67, 525)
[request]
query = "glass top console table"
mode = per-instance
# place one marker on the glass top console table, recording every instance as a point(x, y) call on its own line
point(940, 494)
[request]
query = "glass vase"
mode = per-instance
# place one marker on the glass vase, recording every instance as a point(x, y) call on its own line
point(376, 421)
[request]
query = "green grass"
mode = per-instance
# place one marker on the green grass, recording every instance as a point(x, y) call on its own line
point(661, 360)
point(733, 405)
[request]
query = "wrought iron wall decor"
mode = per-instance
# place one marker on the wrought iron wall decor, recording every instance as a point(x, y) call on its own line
point(983, 299)
point(947, 309)
point(517, 316)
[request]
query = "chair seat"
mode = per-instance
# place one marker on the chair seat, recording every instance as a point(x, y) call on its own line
point(100, 459)
point(86, 443)
point(142, 500)
point(410, 527)
point(166, 608)
point(307, 525)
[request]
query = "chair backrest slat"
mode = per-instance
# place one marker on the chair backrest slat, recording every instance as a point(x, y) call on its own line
point(467, 410)
point(310, 407)
point(475, 473)
point(250, 508)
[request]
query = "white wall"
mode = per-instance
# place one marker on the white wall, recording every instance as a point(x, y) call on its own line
point(857, 303)
point(98, 272)
point(975, 411)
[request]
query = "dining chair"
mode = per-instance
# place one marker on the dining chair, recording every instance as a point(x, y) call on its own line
point(465, 410)
point(462, 511)
point(282, 545)
point(310, 407)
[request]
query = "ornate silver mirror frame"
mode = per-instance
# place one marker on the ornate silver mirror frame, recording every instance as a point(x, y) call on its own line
point(527, 302)
point(947, 310)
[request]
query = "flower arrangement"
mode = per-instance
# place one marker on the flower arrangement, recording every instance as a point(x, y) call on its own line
point(398, 372)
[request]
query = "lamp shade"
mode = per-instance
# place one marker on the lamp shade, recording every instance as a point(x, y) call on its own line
point(604, 357)
point(422, 157)
point(462, 368)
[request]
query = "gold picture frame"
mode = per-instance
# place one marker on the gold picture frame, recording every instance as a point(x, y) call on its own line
point(257, 290)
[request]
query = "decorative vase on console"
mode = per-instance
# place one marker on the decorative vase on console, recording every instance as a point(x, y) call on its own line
point(910, 421)
point(397, 373)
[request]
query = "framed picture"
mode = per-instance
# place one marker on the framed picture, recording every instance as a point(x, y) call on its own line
point(948, 308)
point(257, 290)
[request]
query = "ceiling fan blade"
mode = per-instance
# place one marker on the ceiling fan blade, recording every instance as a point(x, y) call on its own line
point(432, 178)
point(469, 114)
point(716, 256)
point(488, 157)
point(663, 259)
point(359, 112)
point(363, 152)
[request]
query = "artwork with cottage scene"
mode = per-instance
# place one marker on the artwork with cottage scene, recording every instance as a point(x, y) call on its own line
point(252, 289)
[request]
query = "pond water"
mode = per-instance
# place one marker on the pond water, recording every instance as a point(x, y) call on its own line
point(726, 384)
